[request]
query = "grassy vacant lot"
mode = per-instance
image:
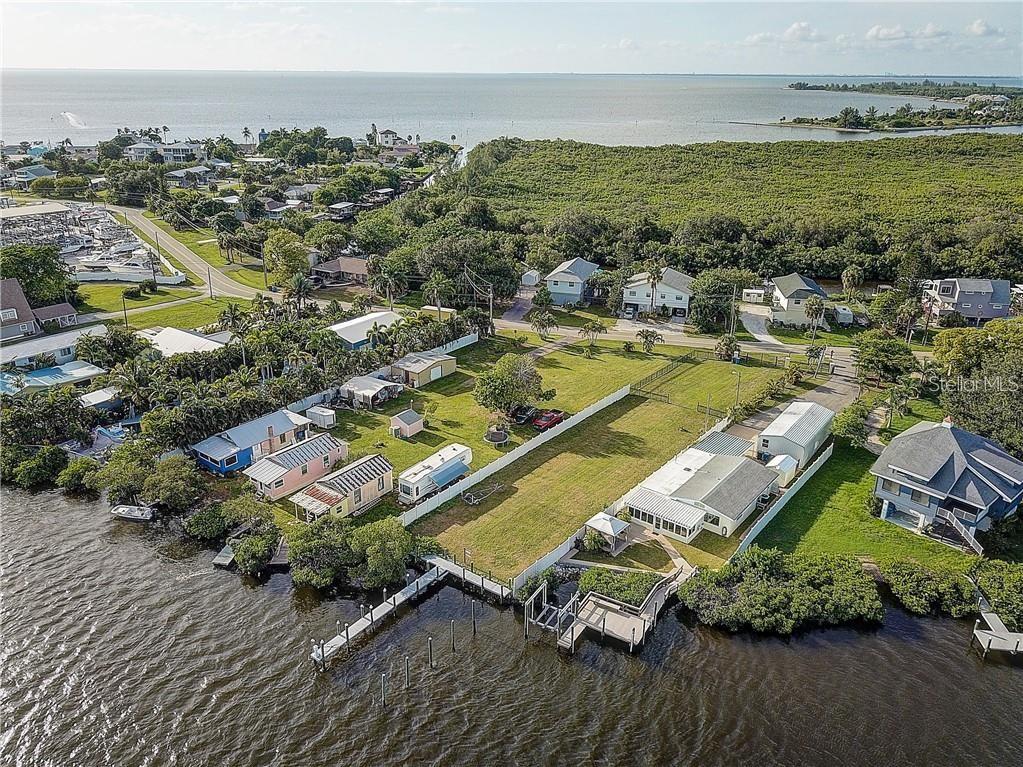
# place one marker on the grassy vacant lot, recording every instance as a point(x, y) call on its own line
point(106, 296)
point(835, 337)
point(550, 492)
point(578, 317)
point(641, 556)
point(194, 314)
point(829, 514)
point(245, 270)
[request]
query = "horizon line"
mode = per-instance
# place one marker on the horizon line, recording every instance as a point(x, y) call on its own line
point(513, 74)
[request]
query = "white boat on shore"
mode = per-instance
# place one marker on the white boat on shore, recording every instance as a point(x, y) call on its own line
point(133, 513)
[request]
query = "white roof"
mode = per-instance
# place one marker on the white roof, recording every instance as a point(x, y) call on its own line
point(171, 341)
point(420, 361)
point(47, 344)
point(355, 331)
point(40, 209)
point(367, 385)
point(603, 522)
point(319, 410)
point(99, 396)
point(800, 422)
point(451, 452)
point(783, 463)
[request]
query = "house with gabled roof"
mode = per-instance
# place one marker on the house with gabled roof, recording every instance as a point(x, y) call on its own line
point(791, 293)
point(293, 467)
point(569, 282)
point(936, 474)
point(235, 449)
point(348, 491)
point(671, 292)
point(799, 431)
point(977, 300)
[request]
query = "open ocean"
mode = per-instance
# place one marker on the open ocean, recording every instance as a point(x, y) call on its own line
point(88, 106)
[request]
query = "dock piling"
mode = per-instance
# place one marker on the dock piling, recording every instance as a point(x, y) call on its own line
point(383, 688)
point(452, 635)
point(429, 641)
point(323, 658)
point(474, 617)
point(603, 625)
point(407, 682)
point(632, 642)
point(338, 627)
point(348, 640)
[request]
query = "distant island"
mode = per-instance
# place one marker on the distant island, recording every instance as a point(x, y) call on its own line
point(954, 91)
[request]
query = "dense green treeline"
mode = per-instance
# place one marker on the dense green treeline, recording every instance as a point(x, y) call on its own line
point(924, 88)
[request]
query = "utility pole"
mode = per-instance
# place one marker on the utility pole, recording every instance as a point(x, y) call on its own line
point(209, 279)
point(124, 308)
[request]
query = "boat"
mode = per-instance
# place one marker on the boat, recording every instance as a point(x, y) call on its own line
point(134, 513)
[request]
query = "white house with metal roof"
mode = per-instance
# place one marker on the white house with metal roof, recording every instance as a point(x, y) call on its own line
point(171, 341)
point(697, 490)
point(800, 431)
point(568, 282)
point(672, 291)
point(447, 465)
point(60, 345)
point(295, 466)
point(348, 491)
point(355, 333)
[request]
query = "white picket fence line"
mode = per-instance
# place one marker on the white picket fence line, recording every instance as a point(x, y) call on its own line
point(785, 497)
point(453, 491)
point(549, 559)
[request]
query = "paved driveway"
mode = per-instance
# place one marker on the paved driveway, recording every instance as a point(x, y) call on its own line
point(520, 306)
point(756, 325)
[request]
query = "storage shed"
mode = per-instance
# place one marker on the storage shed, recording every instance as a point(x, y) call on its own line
point(421, 368)
point(323, 417)
point(531, 278)
point(407, 424)
point(786, 467)
point(799, 431)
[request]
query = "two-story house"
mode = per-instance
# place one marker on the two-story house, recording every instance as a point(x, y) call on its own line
point(673, 290)
point(19, 320)
point(568, 283)
point(25, 176)
point(790, 295)
point(197, 175)
point(976, 300)
point(937, 473)
point(238, 448)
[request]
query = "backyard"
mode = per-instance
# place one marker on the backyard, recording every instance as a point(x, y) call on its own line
point(549, 493)
point(838, 336)
point(576, 318)
point(829, 514)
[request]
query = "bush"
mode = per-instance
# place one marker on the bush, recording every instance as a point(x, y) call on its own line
point(767, 591)
point(1004, 535)
point(630, 588)
point(42, 468)
point(135, 291)
point(175, 485)
point(321, 553)
point(533, 582)
point(254, 551)
point(1002, 584)
point(592, 541)
point(11, 457)
point(382, 548)
point(208, 524)
point(75, 476)
point(628, 347)
point(148, 286)
point(924, 591)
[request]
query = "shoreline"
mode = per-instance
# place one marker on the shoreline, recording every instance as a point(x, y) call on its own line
point(915, 129)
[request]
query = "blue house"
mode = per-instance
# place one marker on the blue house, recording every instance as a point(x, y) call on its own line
point(235, 449)
point(568, 283)
point(936, 475)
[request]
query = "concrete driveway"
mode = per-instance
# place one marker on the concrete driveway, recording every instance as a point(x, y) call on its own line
point(520, 306)
point(756, 325)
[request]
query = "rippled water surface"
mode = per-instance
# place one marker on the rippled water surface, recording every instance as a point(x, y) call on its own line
point(122, 646)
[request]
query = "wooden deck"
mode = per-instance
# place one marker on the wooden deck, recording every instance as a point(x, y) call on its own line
point(483, 583)
point(997, 635)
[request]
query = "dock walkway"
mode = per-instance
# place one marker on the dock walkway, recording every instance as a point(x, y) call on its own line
point(470, 577)
point(997, 635)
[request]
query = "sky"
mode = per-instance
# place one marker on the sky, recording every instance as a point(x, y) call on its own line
point(918, 38)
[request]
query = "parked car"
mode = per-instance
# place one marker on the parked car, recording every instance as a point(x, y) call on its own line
point(629, 313)
point(524, 414)
point(548, 418)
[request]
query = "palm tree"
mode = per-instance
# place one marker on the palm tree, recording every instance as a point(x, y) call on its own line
point(298, 289)
point(438, 287)
point(814, 308)
point(247, 134)
point(133, 378)
point(852, 279)
point(655, 270)
point(591, 330)
point(164, 130)
point(234, 319)
point(542, 321)
point(261, 304)
point(649, 338)
point(376, 335)
point(387, 283)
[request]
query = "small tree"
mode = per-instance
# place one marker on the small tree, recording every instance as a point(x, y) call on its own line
point(726, 347)
point(73, 478)
point(542, 298)
point(542, 321)
point(382, 549)
point(851, 423)
point(591, 330)
point(175, 485)
point(814, 308)
point(512, 381)
point(649, 338)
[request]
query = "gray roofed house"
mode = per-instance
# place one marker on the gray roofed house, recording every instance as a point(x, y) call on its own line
point(796, 285)
point(934, 473)
point(238, 447)
point(16, 316)
point(673, 290)
point(358, 473)
point(568, 282)
point(789, 298)
point(975, 299)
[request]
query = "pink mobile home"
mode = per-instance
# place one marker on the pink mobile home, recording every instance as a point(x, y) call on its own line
point(288, 470)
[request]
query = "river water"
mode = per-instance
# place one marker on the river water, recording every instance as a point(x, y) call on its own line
point(88, 106)
point(123, 646)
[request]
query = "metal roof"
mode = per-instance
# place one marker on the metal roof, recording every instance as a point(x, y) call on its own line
point(276, 465)
point(720, 443)
point(45, 378)
point(47, 344)
point(39, 209)
point(250, 433)
point(408, 417)
point(603, 522)
point(316, 499)
point(673, 278)
point(357, 474)
point(419, 362)
point(355, 331)
point(665, 507)
point(800, 423)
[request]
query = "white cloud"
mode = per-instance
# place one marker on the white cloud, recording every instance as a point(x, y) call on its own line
point(625, 44)
point(877, 32)
point(932, 32)
point(801, 32)
point(981, 28)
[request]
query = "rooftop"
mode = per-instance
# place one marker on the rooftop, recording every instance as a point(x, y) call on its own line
point(673, 278)
point(274, 466)
point(357, 474)
point(67, 374)
point(250, 433)
point(800, 422)
point(451, 452)
point(797, 285)
point(171, 341)
point(38, 209)
point(47, 343)
point(355, 331)
point(577, 267)
point(420, 361)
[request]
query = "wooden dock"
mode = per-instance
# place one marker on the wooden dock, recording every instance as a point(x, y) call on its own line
point(997, 635)
point(480, 581)
point(225, 557)
point(326, 650)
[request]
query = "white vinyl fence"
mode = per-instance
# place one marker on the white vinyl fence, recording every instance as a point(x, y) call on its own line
point(453, 491)
point(790, 491)
point(549, 559)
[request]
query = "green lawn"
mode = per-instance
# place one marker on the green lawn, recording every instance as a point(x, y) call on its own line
point(917, 411)
point(835, 337)
point(550, 492)
point(641, 556)
point(346, 294)
point(189, 274)
point(194, 314)
point(579, 317)
point(106, 296)
point(245, 270)
point(829, 514)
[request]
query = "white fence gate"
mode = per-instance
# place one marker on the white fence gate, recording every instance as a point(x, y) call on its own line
point(453, 491)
